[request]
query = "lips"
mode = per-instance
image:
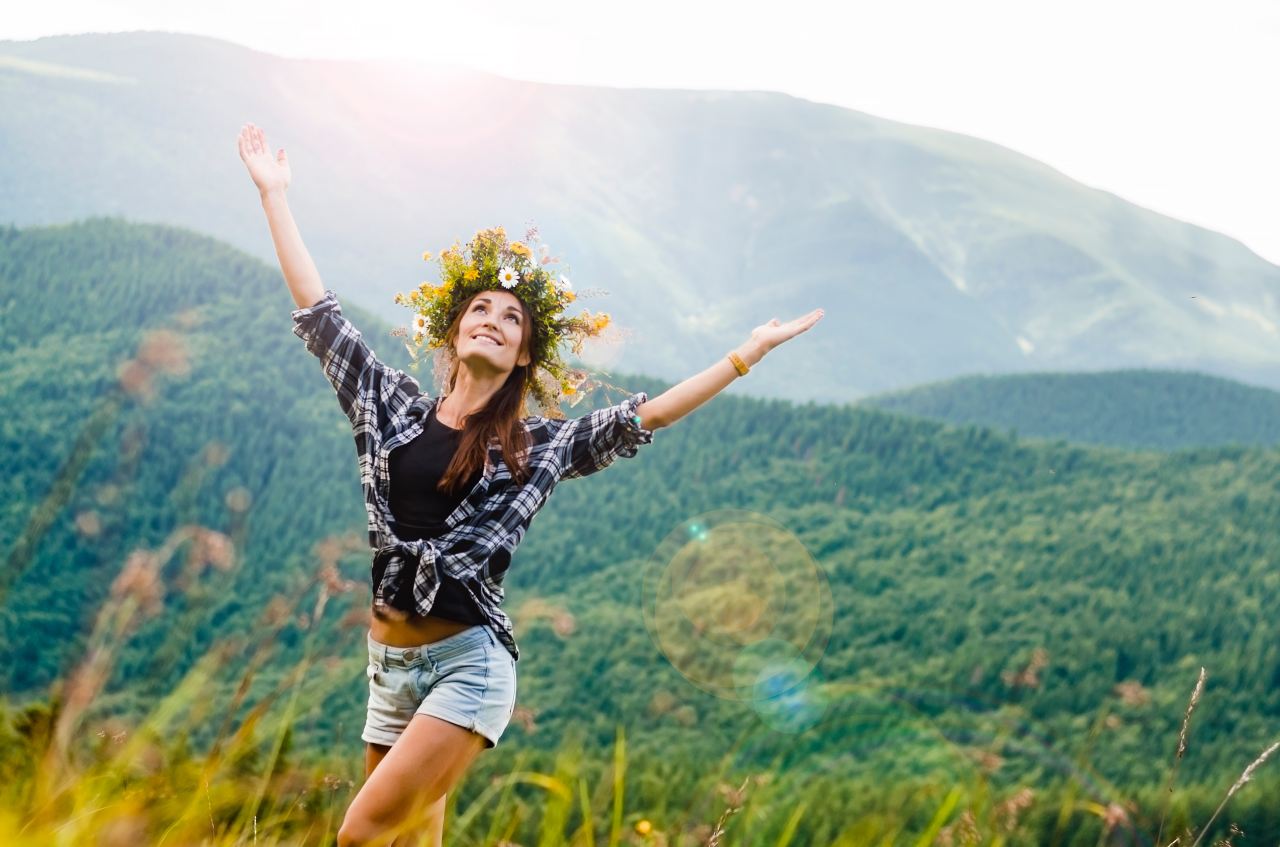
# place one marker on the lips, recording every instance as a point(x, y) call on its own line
point(480, 335)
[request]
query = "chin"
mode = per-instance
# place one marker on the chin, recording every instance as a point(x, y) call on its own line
point(492, 358)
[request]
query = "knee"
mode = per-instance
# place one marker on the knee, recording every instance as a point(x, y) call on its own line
point(358, 829)
point(354, 832)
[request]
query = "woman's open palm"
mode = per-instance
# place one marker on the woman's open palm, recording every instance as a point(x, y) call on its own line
point(268, 172)
point(773, 333)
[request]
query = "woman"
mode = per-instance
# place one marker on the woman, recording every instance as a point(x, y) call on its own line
point(447, 511)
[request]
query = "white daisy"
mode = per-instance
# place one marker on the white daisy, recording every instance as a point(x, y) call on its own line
point(508, 276)
point(564, 283)
point(419, 323)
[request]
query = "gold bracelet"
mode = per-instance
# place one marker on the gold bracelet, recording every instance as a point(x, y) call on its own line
point(740, 365)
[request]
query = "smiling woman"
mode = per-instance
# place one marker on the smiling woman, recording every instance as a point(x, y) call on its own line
point(452, 483)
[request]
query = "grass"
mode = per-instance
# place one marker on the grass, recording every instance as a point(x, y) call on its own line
point(72, 777)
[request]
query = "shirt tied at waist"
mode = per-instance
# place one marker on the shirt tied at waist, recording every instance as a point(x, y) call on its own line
point(404, 575)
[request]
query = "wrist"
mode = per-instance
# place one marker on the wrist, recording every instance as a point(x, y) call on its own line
point(751, 351)
point(272, 195)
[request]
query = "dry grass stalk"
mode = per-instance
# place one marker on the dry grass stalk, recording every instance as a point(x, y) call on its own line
point(1182, 748)
point(736, 798)
point(1239, 783)
point(1008, 811)
point(963, 831)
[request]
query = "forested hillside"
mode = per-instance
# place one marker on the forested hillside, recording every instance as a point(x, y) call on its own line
point(1146, 409)
point(975, 602)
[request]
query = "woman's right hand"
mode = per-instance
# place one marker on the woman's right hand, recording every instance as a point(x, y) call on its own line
point(269, 172)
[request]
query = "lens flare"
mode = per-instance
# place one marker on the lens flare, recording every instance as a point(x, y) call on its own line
point(735, 602)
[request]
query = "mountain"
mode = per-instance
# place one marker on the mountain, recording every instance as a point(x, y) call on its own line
point(702, 213)
point(1163, 410)
point(964, 594)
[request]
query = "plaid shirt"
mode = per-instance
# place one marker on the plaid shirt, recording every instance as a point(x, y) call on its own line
point(386, 408)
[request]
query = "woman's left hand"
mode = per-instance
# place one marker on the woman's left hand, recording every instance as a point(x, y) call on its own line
point(773, 333)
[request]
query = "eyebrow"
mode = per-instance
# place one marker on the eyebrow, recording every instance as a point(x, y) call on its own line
point(487, 300)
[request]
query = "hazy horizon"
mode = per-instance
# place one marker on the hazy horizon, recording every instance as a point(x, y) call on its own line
point(1154, 102)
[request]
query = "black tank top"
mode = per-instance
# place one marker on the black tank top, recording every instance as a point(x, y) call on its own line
point(419, 508)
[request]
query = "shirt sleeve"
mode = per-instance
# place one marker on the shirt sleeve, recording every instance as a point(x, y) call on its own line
point(591, 443)
point(351, 367)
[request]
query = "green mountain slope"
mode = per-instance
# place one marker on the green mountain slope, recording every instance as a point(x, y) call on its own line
point(1144, 409)
point(988, 596)
point(703, 213)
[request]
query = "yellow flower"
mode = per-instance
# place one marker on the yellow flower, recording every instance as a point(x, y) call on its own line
point(643, 827)
point(571, 296)
point(470, 274)
point(520, 249)
point(569, 389)
point(426, 256)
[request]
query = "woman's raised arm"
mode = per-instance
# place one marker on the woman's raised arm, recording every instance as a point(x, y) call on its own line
point(362, 382)
point(271, 174)
point(592, 442)
point(679, 400)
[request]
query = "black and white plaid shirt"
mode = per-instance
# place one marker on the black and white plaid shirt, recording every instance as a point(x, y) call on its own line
point(386, 408)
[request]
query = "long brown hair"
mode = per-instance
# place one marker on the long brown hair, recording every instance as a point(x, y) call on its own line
point(499, 416)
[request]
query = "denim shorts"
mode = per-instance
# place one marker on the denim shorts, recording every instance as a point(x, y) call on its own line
point(468, 679)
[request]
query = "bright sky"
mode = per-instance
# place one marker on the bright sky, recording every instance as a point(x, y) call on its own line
point(1170, 104)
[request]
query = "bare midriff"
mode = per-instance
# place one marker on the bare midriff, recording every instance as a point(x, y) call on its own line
point(416, 630)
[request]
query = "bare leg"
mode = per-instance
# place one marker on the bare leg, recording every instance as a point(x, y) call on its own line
point(433, 827)
point(407, 784)
point(373, 753)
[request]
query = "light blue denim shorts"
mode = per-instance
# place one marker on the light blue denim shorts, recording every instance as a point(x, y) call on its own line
point(468, 679)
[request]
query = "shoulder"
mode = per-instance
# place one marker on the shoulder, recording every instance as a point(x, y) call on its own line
point(541, 428)
point(536, 421)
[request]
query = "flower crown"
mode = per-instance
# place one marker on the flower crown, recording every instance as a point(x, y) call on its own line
point(490, 262)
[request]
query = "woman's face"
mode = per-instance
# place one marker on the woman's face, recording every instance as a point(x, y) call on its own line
point(490, 332)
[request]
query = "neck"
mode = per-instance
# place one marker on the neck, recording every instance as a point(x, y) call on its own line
point(471, 391)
